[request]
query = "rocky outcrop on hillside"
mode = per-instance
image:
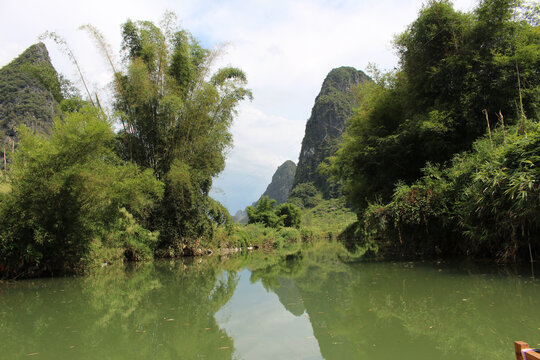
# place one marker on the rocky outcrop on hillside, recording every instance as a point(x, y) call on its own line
point(278, 189)
point(282, 182)
point(333, 106)
point(29, 93)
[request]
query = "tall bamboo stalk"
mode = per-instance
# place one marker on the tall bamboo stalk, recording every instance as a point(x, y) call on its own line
point(522, 114)
point(105, 48)
point(489, 128)
point(501, 119)
point(67, 50)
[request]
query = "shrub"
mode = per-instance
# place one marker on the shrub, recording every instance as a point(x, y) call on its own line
point(484, 205)
point(263, 212)
point(305, 196)
point(289, 215)
point(67, 195)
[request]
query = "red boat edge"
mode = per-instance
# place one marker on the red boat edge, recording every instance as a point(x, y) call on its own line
point(525, 352)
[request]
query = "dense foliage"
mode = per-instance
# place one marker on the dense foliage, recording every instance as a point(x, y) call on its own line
point(305, 195)
point(453, 67)
point(266, 213)
point(175, 120)
point(72, 198)
point(460, 76)
point(85, 194)
point(289, 214)
point(486, 204)
point(416, 161)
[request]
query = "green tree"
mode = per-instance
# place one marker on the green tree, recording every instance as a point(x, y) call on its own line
point(264, 213)
point(305, 195)
point(69, 194)
point(453, 66)
point(485, 204)
point(290, 215)
point(175, 120)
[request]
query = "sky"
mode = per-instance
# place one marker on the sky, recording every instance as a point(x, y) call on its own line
point(262, 328)
point(286, 48)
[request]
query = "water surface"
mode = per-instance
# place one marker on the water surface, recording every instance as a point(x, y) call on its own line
point(314, 304)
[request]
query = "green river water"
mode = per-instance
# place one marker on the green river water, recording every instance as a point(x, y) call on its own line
point(314, 304)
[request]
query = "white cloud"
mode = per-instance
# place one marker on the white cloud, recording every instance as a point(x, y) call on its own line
point(285, 47)
point(262, 143)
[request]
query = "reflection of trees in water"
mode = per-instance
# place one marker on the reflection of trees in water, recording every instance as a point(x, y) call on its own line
point(288, 266)
point(308, 282)
point(383, 310)
point(277, 276)
point(165, 310)
point(154, 311)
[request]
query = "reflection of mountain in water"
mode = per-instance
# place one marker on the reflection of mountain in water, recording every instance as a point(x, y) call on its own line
point(290, 296)
point(408, 311)
point(167, 310)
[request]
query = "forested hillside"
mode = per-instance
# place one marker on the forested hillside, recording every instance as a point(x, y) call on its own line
point(439, 157)
point(30, 92)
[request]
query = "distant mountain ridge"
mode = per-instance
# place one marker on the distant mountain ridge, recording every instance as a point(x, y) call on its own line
point(333, 106)
point(29, 93)
point(241, 217)
point(282, 182)
point(278, 189)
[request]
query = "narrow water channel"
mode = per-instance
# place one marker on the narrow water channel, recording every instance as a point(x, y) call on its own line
point(315, 304)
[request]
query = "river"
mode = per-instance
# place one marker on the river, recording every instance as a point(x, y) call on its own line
point(317, 303)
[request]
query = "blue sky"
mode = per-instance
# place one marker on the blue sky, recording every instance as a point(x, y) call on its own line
point(286, 47)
